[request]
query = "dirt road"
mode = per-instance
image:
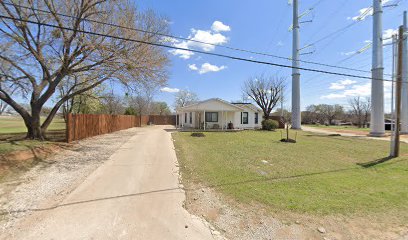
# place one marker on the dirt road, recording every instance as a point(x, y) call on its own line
point(134, 195)
point(349, 133)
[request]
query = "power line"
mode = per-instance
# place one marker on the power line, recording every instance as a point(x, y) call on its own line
point(195, 51)
point(334, 33)
point(316, 4)
point(319, 76)
point(191, 40)
point(360, 18)
point(326, 23)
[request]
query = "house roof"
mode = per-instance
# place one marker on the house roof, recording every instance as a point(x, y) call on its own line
point(196, 106)
point(248, 105)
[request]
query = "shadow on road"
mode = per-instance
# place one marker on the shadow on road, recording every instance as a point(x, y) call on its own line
point(170, 130)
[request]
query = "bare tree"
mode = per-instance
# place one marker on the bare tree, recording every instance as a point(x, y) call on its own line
point(360, 110)
point(88, 102)
point(140, 103)
point(112, 104)
point(38, 58)
point(3, 107)
point(310, 115)
point(330, 112)
point(266, 92)
point(184, 98)
point(160, 108)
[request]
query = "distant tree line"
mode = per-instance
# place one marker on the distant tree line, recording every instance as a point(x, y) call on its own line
point(358, 113)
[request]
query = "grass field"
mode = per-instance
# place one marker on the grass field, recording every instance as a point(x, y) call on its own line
point(16, 124)
point(319, 175)
point(14, 128)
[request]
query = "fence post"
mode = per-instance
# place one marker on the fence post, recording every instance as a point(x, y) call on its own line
point(68, 128)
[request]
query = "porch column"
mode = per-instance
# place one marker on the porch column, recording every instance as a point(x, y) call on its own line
point(204, 120)
point(222, 118)
point(176, 119)
point(226, 116)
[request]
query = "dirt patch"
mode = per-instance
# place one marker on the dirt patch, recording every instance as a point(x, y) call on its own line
point(27, 155)
point(236, 220)
point(17, 162)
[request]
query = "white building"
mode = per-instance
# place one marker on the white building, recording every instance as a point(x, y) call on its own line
point(216, 113)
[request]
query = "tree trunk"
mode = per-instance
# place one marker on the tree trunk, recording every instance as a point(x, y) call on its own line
point(34, 130)
point(266, 115)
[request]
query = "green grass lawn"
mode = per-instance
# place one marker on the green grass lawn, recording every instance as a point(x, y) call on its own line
point(16, 124)
point(318, 175)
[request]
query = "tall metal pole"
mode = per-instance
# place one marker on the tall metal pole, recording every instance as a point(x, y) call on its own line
point(396, 147)
point(394, 68)
point(296, 121)
point(377, 73)
point(404, 103)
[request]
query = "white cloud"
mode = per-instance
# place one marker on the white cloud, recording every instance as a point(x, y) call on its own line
point(207, 37)
point(363, 90)
point(206, 67)
point(387, 35)
point(170, 90)
point(333, 96)
point(365, 12)
point(341, 84)
point(218, 26)
point(192, 67)
point(185, 54)
point(212, 37)
point(280, 44)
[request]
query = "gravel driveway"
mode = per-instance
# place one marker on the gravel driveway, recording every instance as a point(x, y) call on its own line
point(51, 180)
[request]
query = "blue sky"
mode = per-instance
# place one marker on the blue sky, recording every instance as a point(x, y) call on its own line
point(262, 25)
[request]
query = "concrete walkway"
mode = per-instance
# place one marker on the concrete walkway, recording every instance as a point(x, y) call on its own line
point(134, 195)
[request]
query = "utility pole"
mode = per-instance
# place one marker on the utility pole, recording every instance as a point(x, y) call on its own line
point(404, 104)
point(281, 102)
point(394, 79)
point(296, 121)
point(395, 152)
point(377, 73)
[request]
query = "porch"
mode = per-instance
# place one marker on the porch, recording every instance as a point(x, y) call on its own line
point(206, 120)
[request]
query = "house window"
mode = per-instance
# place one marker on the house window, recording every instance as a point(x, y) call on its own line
point(256, 118)
point(244, 118)
point(185, 117)
point(211, 117)
point(191, 118)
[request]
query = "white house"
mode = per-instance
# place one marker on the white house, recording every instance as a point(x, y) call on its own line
point(216, 113)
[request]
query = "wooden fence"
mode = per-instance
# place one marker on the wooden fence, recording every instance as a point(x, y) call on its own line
point(162, 120)
point(80, 126)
